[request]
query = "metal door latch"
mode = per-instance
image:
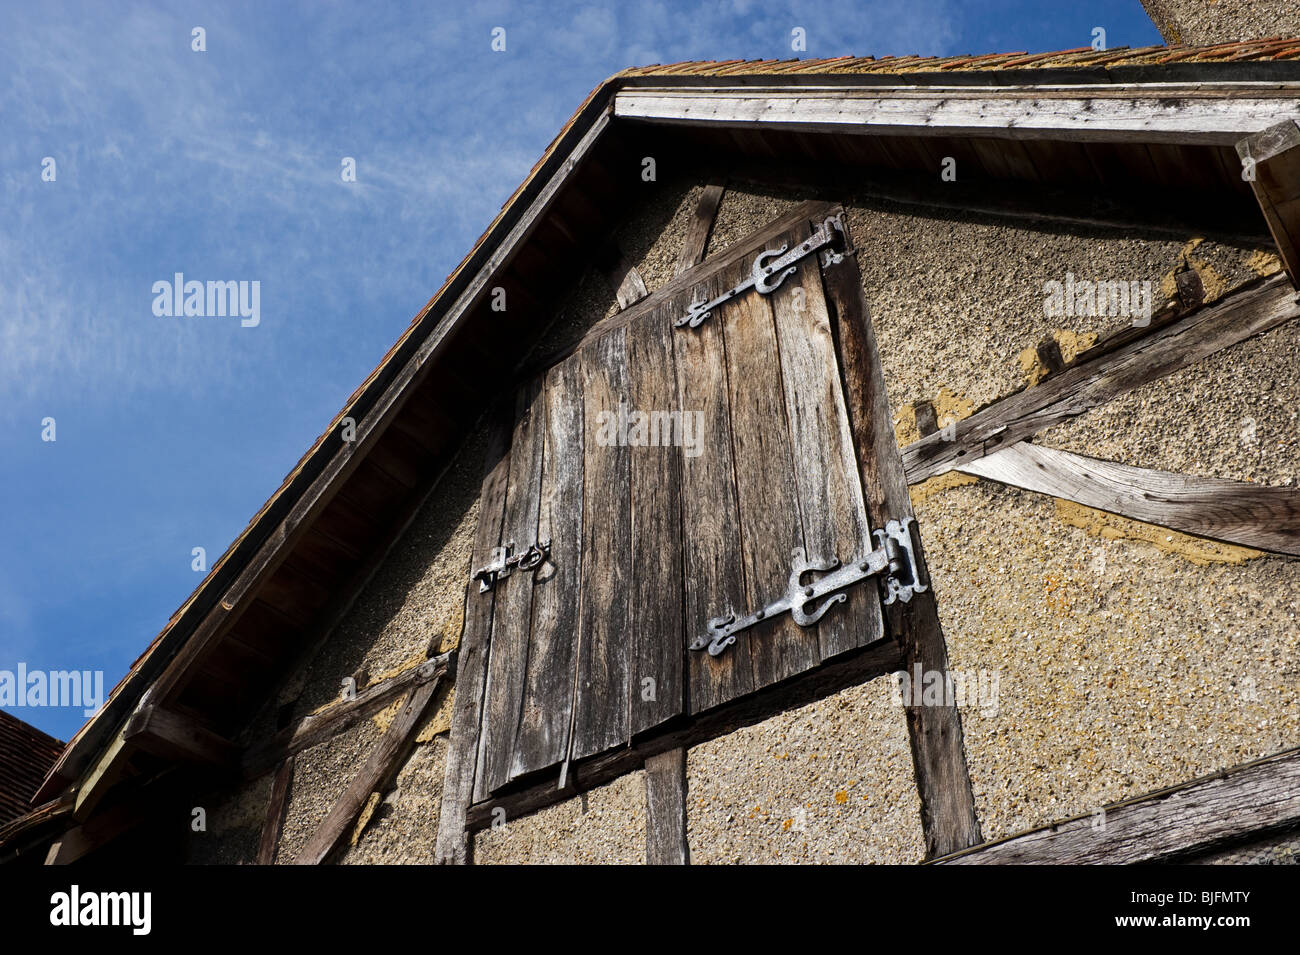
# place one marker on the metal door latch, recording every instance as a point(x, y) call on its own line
point(770, 269)
point(504, 561)
point(894, 557)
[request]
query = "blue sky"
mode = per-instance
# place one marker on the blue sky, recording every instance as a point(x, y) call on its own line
point(225, 164)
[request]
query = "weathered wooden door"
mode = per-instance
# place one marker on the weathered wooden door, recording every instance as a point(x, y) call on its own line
point(675, 469)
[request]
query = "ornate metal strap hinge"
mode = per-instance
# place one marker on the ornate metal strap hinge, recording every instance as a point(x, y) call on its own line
point(773, 267)
point(893, 561)
point(504, 561)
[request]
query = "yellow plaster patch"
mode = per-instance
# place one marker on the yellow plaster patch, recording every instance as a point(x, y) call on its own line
point(949, 406)
point(1211, 281)
point(364, 819)
point(905, 429)
point(440, 720)
point(1071, 344)
point(1262, 262)
point(451, 630)
point(928, 488)
point(1198, 550)
point(384, 718)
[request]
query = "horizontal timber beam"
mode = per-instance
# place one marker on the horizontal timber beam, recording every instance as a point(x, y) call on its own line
point(1188, 116)
point(849, 670)
point(1267, 518)
point(1195, 817)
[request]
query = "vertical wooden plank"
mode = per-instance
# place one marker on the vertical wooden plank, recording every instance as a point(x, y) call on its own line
point(711, 554)
point(275, 812)
point(947, 801)
point(828, 490)
point(658, 642)
point(665, 776)
point(696, 242)
point(601, 704)
point(512, 613)
point(452, 846)
point(543, 736)
point(768, 527)
point(665, 809)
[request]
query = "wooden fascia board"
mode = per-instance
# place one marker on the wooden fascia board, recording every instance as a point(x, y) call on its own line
point(102, 776)
point(1156, 113)
point(1191, 818)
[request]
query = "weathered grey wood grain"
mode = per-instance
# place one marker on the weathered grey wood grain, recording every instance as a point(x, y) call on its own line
point(665, 808)
point(601, 701)
point(512, 610)
point(665, 775)
point(543, 736)
point(943, 782)
point(380, 767)
point(768, 528)
point(632, 289)
point(680, 286)
point(828, 492)
point(1169, 825)
point(657, 660)
point(452, 845)
point(710, 516)
point(1234, 511)
point(276, 808)
point(696, 241)
point(1085, 385)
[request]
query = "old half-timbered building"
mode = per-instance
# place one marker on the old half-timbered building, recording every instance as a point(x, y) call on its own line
point(832, 460)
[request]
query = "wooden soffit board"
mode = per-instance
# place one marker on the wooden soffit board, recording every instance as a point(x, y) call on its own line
point(1194, 114)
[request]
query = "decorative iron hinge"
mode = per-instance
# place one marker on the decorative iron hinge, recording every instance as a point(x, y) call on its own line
point(504, 561)
point(773, 267)
point(895, 558)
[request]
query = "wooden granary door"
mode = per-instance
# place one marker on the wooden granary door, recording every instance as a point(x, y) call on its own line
point(676, 519)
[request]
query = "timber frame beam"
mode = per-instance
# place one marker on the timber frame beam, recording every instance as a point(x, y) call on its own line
point(1245, 802)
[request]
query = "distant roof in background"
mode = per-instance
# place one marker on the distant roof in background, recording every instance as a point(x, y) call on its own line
point(26, 755)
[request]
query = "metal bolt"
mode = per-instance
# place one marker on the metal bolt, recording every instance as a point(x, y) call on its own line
point(807, 591)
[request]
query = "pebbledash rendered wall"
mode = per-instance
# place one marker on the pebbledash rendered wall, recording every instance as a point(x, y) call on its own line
point(1201, 22)
point(1111, 658)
